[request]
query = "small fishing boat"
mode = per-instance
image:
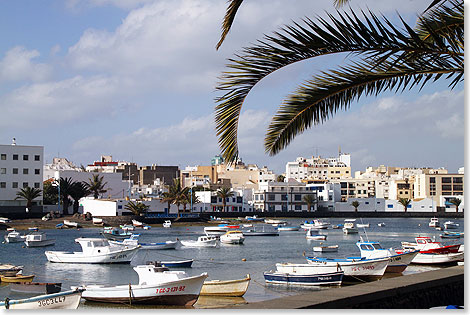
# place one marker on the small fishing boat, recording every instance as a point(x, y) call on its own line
point(36, 287)
point(115, 234)
point(247, 225)
point(97, 221)
point(59, 226)
point(33, 229)
point(134, 241)
point(381, 224)
point(349, 226)
point(275, 221)
point(167, 224)
point(17, 278)
point(254, 218)
point(10, 270)
point(38, 239)
point(313, 235)
point(434, 222)
point(451, 235)
point(436, 258)
point(4, 220)
point(326, 249)
point(216, 230)
point(232, 237)
point(157, 286)
point(137, 224)
point(14, 237)
point(316, 224)
point(450, 225)
point(338, 226)
point(236, 287)
point(46, 218)
point(146, 227)
point(127, 227)
point(62, 300)
point(71, 224)
point(363, 225)
point(261, 231)
point(288, 228)
point(293, 279)
point(425, 245)
point(94, 251)
point(202, 241)
point(177, 263)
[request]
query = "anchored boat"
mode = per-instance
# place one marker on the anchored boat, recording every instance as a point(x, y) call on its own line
point(236, 287)
point(62, 300)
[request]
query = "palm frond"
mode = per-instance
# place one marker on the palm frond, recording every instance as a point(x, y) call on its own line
point(232, 9)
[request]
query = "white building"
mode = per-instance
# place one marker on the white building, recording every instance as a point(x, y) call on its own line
point(21, 166)
point(318, 168)
point(116, 207)
point(284, 197)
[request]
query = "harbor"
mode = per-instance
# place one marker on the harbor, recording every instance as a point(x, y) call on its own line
point(255, 256)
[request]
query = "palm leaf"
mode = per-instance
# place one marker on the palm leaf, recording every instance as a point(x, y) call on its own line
point(228, 19)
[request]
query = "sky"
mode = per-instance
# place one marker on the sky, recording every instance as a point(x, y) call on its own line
point(136, 79)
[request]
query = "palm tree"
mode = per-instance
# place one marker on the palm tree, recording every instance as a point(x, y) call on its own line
point(186, 197)
point(383, 57)
point(175, 195)
point(78, 191)
point(309, 200)
point(137, 208)
point(96, 185)
point(405, 202)
point(456, 202)
point(50, 193)
point(65, 187)
point(280, 178)
point(355, 204)
point(28, 194)
point(224, 193)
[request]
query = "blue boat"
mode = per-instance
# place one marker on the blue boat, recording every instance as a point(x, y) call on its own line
point(59, 226)
point(177, 264)
point(333, 278)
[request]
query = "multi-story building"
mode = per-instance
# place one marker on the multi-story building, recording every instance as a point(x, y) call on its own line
point(284, 197)
point(199, 176)
point(21, 166)
point(318, 168)
point(436, 185)
point(356, 188)
point(245, 176)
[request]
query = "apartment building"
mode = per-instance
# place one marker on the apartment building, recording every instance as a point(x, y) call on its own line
point(245, 176)
point(318, 168)
point(284, 197)
point(436, 185)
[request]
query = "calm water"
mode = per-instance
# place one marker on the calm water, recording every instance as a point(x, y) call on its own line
point(222, 262)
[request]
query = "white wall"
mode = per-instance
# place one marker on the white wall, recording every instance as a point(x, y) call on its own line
point(365, 204)
point(97, 207)
point(424, 205)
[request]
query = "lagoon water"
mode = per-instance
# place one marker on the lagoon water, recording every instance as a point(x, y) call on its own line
point(223, 262)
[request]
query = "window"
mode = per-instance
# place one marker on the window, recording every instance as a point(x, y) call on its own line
point(367, 202)
point(3, 185)
point(447, 180)
point(15, 157)
point(37, 171)
point(15, 171)
point(37, 157)
point(120, 207)
point(458, 187)
point(36, 185)
point(25, 171)
point(3, 170)
point(297, 197)
point(14, 185)
point(432, 179)
point(390, 206)
point(25, 185)
point(283, 197)
point(457, 180)
point(3, 156)
point(271, 197)
point(25, 157)
point(446, 187)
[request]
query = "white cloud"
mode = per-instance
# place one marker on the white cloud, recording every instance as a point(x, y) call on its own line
point(452, 127)
point(18, 65)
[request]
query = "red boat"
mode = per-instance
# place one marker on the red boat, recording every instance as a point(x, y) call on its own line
point(426, 246)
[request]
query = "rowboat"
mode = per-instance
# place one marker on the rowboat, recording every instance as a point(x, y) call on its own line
point(157, 286)
point(450, 225)
point(10, 270)
point(167, 224)
point(36, 287)
point(115, 234)
point(38, 239)
point(232, 237)
point(312, 235)
point(257, 231)
point(62, 300)
point(16, 279)
point(14, 237)
point(134, 241)
point(288, 228)
point(33, 229)
point(349, 227)
point(202, 241)
point(253, 218)
point(434, 222)
point(274, 221)
point(425, 245)
point(236, 287)
point(127, 227)
point(97, 221)
point(137, 224)
point(177, 263)
point(326, 249)
point(71, 224)
point(4, 220)
point(363, 225)
point(94, 251)
point(216, 230)
point(451, 235)
point(293, 279)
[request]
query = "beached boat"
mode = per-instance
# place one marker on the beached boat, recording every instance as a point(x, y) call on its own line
point(425, 245)
point(288, 228)
point(451, 235)
point(354, 269)
point(33, 229)
point(127, 227)
point(115, 234)
point(313, 235)
point(177, 263)
point(202, 241)
point(167, 224)
point(134, 241)
point(9, 270)
point(450, 225)
point(349, 226)
point(17, 278)
point(62, 300)
point(38, 239)
point(59, 226)
point(216, 230)
point(236, 287)
point(362, 225)
point(14, 237)
point(4, 220)
point(71, 224)
point(36, 287)
point(157, 286)
point(326, 249)
point(137, 224)
point(397, 262)
point(232, 237)
point(436, 259)
point(434, 222)
point(46, 218)
point(381, 224)
point(97, 221)
point(293, 279)
point(94, 251)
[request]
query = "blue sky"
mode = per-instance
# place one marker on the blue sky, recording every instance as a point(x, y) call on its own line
point(135, 79)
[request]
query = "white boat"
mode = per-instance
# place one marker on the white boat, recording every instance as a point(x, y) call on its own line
point(450, 225)
point(426, 245)
point(434, 222)
point(275, 222)
point(253, 218)
point(316, 224)
point(202, 241)
point(10, 270)
point(157, 286)
point(4, 220)
point(137, 224)
point(97, 221)
point(354, 269)
point(232, 237)
point(134, 241)
point(115, 234)
point(71, 224)
point(326, 249)
point(46, 218)
point(236, 287)
point(247, 225)
point(433, 258)
point(306, 280)
point(288, 228)
point(167, 224)
point(14, 237)
point(362, 225)
point(38, 239)
point(349, 227)
point(127, 227)
point(381, 224)
point(313, 235)
point(216, 230)
point(397, 262)
point(94, 251)
point(61, 300)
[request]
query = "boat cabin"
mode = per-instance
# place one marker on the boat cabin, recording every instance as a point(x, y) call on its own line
point(154, 274)
point(349, 223)
point(374, 250)
point(93, 246)
point(36, 237)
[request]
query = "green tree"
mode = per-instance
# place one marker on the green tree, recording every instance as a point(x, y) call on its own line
point(50, 193)
point(78, 191)
point(404, 202)
point(65, 187)
point(186, 198)
point(309, 200)
point(137, 208)
point(224, 193)
point(355, 204)
point(456, 202)
point(382, 57)
point(28, 194)
point(280, 178)
point(96, 185)
point(174, 195)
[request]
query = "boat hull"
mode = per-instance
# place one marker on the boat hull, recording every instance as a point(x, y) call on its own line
point(16, 279)
point(334, 278)
point(326, 249)
point(226, 288)
point(61, 300)
point(123, 256)
point(211, 243)
point(177, 264)
point(40, 243)
point(433, 259)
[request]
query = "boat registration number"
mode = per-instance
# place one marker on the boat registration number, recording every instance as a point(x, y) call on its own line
point(51, 301)
point(363, 268)
point(172, 289)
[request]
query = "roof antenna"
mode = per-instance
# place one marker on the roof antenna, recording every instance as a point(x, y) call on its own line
point(13, 141)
